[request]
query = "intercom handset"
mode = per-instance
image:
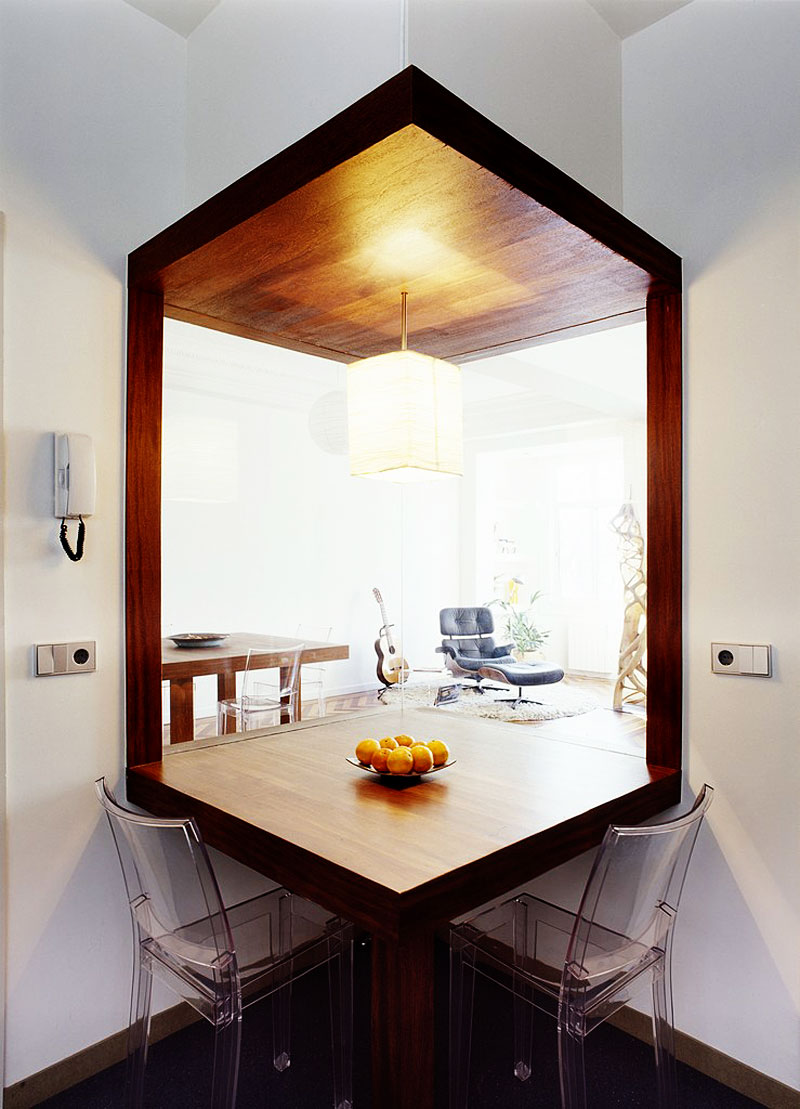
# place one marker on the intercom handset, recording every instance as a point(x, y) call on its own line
point(75, 486)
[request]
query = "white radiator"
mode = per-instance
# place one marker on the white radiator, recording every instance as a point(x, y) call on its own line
point(592, 645)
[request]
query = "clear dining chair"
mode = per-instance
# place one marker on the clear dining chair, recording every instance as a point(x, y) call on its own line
point(313, 674)
point(218, 958)
point(581, 967)
point(256, 709)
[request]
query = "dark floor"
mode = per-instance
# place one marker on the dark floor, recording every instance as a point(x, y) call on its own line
point(619, 1069)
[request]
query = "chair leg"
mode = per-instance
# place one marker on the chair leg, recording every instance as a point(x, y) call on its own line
point(523, 1028)
point(664, 1039)
point(340, 983)
point(227, 1043)
point(139, 1028)
point(522, 990)
point(571, 1066)
point(282, 997)
point(462, 991)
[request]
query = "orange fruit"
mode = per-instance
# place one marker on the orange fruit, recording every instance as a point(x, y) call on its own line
point(423, 758)
point(389, 742)
point(400, 761)
point(379, 758)
point(405, 740)
point(366, 749)
point(440, 752)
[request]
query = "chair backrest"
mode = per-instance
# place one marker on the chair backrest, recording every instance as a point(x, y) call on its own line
point(314, 633)
point(172, 890)
point(458, 622)
point(635, 885)
point(468, 631)
point(288, 662)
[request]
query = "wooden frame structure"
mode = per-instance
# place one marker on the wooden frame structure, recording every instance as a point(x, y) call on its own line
point(411, 188)
point(497, 248)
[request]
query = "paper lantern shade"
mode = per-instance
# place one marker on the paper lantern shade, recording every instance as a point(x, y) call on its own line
point(404, 417)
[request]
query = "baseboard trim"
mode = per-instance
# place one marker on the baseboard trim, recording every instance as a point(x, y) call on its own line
point(36, 1088)
point(31, 1091)
point(716, 1064)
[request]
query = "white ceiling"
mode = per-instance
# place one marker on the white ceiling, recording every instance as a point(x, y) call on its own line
point(602, 372)
point(574, 383)
point(179, 15)
point(625, 17)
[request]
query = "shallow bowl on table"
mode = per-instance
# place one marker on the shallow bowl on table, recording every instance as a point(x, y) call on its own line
point(199, 639)
point(398, 779)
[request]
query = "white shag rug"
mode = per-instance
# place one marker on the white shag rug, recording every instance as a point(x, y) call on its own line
point(558, 701)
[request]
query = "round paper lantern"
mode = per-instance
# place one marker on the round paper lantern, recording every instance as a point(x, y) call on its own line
point(327, 422)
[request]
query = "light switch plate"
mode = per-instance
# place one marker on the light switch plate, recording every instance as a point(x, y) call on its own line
point(65, 658)
point(751, 659)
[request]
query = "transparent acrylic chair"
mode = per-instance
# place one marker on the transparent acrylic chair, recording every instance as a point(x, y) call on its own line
point(581, 967)
point(254, 709)
point(313, 674)
point(219, 958)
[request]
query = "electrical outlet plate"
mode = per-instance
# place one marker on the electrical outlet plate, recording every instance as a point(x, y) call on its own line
point(751, 659)
point(65, 658)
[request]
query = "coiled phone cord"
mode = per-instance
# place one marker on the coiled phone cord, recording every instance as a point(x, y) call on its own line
point(77, 554)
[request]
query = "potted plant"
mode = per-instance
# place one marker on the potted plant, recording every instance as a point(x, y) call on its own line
point(520, 627)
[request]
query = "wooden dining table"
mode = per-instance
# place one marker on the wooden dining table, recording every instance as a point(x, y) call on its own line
point(181, 665)
point(401, 859)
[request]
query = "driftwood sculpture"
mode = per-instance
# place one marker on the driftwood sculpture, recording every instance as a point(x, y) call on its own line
point(631, 685)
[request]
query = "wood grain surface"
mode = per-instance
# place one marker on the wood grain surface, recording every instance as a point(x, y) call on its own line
point(180, 665)
point(143, 525)
point(664, 529)
point(484, 264)
point(506, 787)
point(231, 655)
point(410, 185)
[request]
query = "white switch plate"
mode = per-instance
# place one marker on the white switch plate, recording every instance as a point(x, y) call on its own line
point(752, 659)
point(65, 658)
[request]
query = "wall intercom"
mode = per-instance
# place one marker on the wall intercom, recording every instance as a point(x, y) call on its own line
point(74, 486)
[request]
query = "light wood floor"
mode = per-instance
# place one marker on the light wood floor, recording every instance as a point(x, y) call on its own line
point(602, 728)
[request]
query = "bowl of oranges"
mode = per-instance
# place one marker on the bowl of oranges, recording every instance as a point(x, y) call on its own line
point(401, 758)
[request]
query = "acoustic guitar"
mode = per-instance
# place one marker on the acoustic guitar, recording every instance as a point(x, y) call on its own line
point(392, 668)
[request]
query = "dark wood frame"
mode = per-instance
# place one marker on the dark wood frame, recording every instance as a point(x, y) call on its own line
point(409, 98)
point(160, 272)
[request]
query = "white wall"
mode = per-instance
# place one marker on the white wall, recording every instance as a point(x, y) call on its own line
point(263, 73)
point(3, 867)
point(547, 71)
point(91, 150)
point(712, 167)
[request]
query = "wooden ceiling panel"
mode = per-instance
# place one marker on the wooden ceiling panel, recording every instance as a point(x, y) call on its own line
point(484, 264)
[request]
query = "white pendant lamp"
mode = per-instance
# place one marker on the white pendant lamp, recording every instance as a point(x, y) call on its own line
point(404, 415)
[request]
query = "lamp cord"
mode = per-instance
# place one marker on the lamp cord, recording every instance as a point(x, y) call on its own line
point(403, 34)
point(77, 554)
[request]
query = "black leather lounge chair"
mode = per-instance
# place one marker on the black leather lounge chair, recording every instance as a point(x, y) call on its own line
point(471, 652)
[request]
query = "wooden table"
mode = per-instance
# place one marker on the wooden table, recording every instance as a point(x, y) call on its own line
point(400, 862)
point(180, 665)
